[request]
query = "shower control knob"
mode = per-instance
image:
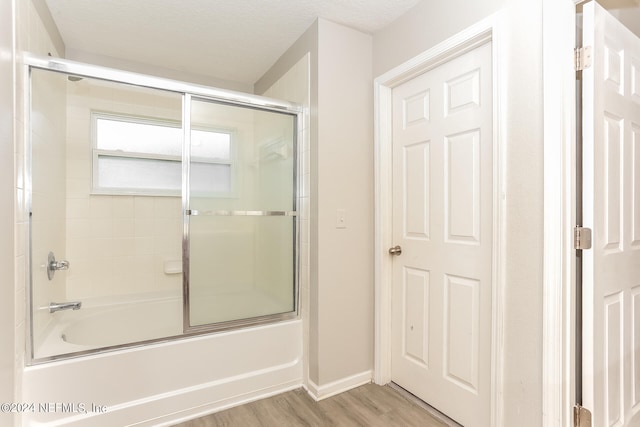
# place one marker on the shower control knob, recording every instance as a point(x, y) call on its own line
point(53, 265)
point(396, 250)
point(60, 265)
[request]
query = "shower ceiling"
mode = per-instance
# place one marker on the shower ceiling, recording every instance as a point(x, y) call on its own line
point(236, 40)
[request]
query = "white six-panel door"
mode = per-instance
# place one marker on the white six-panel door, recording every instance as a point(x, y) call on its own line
point(611, 197)
point(442, 219)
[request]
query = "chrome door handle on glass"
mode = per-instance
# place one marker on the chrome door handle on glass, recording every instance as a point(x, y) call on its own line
point(396, 250)
point(53, 265)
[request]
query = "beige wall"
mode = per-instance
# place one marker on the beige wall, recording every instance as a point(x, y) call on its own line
point(422, 28)
point(332, 286)
point(341, 173)
point(8, 318)
point(344, 181)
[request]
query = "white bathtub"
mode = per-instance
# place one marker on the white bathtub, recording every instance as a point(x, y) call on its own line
point(160, 383)
point(110, 322)
point(107, 322)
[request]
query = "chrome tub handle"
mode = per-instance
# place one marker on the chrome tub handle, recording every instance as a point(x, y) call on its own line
point(53, 265)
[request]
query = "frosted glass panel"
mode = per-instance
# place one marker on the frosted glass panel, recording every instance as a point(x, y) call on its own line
point(243, 267)
point(210, 178)
point(135, 173)
point(240, 267)
point(151, 174)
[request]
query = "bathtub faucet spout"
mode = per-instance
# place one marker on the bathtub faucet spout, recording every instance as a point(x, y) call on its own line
point(57, 306)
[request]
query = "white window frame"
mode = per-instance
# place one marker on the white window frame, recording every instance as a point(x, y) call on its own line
point(97, 153)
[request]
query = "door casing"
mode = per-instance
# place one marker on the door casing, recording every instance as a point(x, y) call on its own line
point(486, 30)
point(560, 195)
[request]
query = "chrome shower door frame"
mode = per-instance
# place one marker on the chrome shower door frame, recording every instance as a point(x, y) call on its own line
point(188, 91)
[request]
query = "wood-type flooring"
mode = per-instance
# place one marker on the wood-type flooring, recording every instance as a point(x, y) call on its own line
point(368, 405)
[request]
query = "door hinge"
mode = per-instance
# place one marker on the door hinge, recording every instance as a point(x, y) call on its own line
point(581, 237)
point(583, 57)
point(581, 416)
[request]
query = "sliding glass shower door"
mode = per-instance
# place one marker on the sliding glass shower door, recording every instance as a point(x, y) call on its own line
point(240, 214)
point(157, 209)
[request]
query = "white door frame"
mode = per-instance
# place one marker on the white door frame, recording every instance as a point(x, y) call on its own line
point(558, 364)
point(488, 29)
point(559, 23)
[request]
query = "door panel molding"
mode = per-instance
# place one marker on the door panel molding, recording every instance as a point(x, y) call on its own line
point(611, 268)
point(486, 30)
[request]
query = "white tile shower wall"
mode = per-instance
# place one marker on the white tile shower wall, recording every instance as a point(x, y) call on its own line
point(31, 36)
point(294, 86)
point(117, 244)
point(48, 134)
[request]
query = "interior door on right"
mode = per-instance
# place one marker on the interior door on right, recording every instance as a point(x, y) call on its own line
point(443, 221)
point(611, 208)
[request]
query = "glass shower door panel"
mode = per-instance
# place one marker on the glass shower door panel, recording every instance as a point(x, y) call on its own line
point(241, 268)
point(242, 234)
point(105, 173)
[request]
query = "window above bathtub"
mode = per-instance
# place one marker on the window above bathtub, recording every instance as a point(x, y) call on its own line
point(143, 156)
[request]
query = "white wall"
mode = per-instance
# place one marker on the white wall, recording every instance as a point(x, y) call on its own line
point(422, 28)
point(8, 260)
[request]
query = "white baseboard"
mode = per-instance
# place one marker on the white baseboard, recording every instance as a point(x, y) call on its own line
point(319, 392)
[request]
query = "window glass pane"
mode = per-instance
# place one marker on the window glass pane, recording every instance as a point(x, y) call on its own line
point(138, 137)
point(141, 138)
point(133, 173)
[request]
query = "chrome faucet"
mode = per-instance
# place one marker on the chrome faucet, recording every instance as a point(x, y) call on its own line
point(57, 306)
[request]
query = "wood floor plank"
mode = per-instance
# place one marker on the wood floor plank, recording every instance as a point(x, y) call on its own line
point(368, 405)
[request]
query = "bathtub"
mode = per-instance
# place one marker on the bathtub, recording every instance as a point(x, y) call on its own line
point(158, 383)
point(107, 322)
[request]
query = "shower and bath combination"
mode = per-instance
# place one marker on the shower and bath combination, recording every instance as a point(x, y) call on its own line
point(131, 174)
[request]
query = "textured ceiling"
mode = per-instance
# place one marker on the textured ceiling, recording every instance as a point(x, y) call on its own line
point(236, 40)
